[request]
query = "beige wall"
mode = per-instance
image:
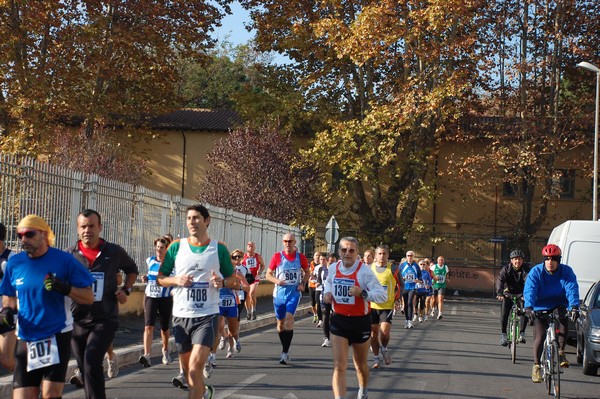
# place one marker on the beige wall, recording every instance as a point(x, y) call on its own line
point(166, 160)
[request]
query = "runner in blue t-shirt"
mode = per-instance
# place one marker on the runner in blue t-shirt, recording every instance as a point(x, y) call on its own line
point(46, 280)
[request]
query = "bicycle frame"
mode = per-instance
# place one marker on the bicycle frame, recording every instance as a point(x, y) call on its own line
point(550, 362)
point(513, 329)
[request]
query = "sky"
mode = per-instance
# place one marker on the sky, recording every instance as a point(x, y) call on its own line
point(233, 26)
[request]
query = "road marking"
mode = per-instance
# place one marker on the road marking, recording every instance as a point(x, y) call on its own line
point(453, 311)
point(418, 385)
point(239, 386)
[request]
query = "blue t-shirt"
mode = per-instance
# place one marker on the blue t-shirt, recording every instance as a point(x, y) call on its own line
point(42, 313)
point(153, 290)
point(410, 272)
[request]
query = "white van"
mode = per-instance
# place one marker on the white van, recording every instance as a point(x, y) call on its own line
point(579, 241)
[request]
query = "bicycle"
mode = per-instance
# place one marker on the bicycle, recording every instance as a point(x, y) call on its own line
point(513, 331)
point(550, 360)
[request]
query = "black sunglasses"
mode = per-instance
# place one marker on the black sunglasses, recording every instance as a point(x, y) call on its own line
point(236, 257)
point(27, 234)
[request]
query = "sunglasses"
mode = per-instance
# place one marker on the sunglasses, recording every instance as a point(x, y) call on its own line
point(27, 234)
point(236, 257)
point(288, 241)
point(349, 250)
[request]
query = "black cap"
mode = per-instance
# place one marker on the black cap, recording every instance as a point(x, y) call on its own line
point(517, 253)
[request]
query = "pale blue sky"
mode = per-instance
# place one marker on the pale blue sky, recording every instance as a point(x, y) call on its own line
point(233, 26)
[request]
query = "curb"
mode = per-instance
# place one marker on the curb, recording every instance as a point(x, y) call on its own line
point(128, 355)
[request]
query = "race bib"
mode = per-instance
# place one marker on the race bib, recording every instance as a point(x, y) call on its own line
point(291, 276)
point(227, 300)
point(441, 279)
point(409, 278)
point(154, 289)
point(251, 262)
point(341, 291)
point(42, 353)
point(197, 294)
point(98, 285)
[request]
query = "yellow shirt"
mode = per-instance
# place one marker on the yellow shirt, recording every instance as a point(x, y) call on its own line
point(388, 282)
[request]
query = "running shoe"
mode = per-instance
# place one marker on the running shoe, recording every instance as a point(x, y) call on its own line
point(166, 357)
point(425, 318)
point(414, 318)
point(319, 324)
point(420, 319)
point(145, 361)
point(387, 359)
point(376, 363)
point(536, 374)
point(237, 347)
point(254, 315)
point(285, 358)
point(522, 339)
point(440, 316)
point(315, 318)
point(564, 363)
point(432, 313)
point(212, 359)
point(410, 324)
point(326, 343)
point(112, 369)
point(406, 324)
point(503, 340)
point(209, 391)
point(248, 316)
point(76, 379)
point(221, 344)
point(208, 369)
point(229, 353)
point(179, 381)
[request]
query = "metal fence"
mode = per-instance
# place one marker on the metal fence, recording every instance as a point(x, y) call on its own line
point(132, 216)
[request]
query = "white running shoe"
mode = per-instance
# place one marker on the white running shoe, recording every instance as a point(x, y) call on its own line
point(440, 316)
point(319, 324)
point(229, 353)
point(77, 379)
point(145, 361)
point(406, 324)
point(285, 358)
point(420, 319)
point(212, 359)
point(376, 362)
point(166, 357)
point(410, 324)
point(179, 381)
point(387, 359)
point(208, 369)
point(326, 343)
point(425, 318)
point(112, 369)
point(414, 317)
point(221, 344)
point(237, 347)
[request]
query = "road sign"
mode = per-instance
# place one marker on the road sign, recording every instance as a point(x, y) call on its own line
point(332, 233)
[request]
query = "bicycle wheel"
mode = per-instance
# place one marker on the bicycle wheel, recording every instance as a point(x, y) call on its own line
point(555, 370)
point(513, 337)
point(546, 368)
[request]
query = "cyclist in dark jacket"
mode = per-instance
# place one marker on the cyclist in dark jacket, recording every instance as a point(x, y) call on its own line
point(512, 280)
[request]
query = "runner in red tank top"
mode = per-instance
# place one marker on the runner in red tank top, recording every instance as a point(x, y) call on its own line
point(256, 265)
point(349, 287)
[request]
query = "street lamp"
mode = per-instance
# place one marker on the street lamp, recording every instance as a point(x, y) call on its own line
point(590, 67)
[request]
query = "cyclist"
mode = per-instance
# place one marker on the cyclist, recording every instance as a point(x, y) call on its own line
point(549, 285)
point(511, 279)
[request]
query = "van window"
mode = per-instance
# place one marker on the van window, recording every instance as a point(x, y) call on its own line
point(578, 257)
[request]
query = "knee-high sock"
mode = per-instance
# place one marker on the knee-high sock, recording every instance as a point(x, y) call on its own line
point(285, 337)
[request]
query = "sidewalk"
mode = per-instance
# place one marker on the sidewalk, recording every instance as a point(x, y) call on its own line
point(128, 344)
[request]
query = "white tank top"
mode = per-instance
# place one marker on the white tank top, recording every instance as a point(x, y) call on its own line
point(201, 298)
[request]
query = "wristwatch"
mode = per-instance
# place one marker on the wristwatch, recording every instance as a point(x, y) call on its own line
point(364, 294)
point(126, 290)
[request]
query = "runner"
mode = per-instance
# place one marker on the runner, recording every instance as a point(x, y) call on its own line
point(255, 263)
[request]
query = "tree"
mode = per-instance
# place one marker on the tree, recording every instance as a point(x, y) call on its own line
point(258, 172)
point(93, 61)
point(536, 99)
point(399, 72)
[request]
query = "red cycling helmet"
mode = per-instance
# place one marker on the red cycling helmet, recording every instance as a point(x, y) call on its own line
point(551, 250)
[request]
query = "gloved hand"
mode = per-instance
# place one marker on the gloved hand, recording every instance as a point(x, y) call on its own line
point(52, 283)
point(7, 317)
point(574, 313)
point(530, 314)
point(250, 278)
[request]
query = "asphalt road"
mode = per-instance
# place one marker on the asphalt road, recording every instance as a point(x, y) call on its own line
point(456, 357)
